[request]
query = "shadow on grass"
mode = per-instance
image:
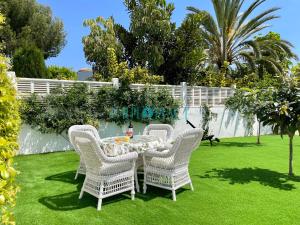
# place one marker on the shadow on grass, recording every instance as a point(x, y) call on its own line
point(70, 201)
point(247, 175)
point(67, 177)
point(232, 144)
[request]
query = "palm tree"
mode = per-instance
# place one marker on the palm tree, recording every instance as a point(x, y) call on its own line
point(269, 54)
point(229, 37)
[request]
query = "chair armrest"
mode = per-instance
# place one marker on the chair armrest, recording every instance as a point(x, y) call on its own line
point(162, 153)
point(121, 158)
point(167, 146)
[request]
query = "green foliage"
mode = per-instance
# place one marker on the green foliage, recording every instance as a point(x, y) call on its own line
point(61, 73)
point(283, 113)
point(229, 37)
point(295, 72)
point(102, 36)
point(206, 118)
point(150, 24)
point(123, 105)
point(28, 61)
point(31, 23)
point(64, 108)
point(126, 75)
point(248, 102)
point(58, 111)
point(152, 42)
point(9, 129)
point(185, 54)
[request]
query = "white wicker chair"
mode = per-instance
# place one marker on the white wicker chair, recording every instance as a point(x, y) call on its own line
point(162, 131)
point(168, 169)
point(81, 168)
point(105, 176)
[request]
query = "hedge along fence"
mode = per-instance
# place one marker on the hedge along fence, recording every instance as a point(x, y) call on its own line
point(62, 108)
point(9, 129)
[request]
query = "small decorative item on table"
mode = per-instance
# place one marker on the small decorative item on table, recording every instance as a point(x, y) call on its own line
point(129, 131)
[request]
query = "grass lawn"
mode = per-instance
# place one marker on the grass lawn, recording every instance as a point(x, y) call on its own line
point(236, 182)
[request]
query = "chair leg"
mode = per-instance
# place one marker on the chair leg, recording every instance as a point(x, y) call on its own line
point(81, 193)
point(99, 204)
point(132, 190)
point(191, 186)
point(100, 196)
point(174, 195)
point(136, 181)
point(173, 189)
point(145, 185)
point(75, 178)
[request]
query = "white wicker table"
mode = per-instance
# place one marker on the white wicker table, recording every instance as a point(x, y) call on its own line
point(139, 144)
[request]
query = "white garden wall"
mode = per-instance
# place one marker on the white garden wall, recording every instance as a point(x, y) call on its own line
point(224, 124)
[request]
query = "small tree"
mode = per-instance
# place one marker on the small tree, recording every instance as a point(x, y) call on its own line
point(248, 103)
point(283, 112)
point(61, 73)
point(28, 61)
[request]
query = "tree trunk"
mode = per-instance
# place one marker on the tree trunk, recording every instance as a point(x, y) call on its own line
point(258, 133)
point(291, 156)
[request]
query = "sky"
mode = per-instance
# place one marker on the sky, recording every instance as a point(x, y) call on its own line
point(74, 12)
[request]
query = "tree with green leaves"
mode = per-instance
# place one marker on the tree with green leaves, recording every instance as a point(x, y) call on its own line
point(295, 72)
point(248, 102)
point(28, 22)
point(283, 113)
point(101, 37)
point(28, 61)
point(229, 37)
point(185, 53)
point(150, 24)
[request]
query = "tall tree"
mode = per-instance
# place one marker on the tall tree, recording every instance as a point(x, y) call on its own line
point(150, 24)
point(269, 54)
point(101, 37)
point(229, 35)
point(184, 54)
point(31, 23)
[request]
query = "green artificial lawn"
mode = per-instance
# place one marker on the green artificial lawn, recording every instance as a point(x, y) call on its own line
point(236, 182)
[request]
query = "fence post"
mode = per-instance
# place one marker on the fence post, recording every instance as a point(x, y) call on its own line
point(115, 83)
point(184, 93)
point(48, 87)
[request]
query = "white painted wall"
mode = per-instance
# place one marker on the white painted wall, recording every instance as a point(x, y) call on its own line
point(224, 124)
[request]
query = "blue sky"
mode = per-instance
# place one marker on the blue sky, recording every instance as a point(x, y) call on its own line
point(74, 12)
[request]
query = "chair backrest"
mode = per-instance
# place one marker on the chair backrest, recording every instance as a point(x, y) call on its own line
point(89, 149)
point(184, 144)
point(87, 128)
point(162, 131)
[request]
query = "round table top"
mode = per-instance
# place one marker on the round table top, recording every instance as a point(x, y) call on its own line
point(114, 146)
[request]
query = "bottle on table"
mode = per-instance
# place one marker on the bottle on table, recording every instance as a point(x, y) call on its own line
point(129, 132)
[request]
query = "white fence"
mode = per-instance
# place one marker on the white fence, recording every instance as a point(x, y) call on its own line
point(192, 96)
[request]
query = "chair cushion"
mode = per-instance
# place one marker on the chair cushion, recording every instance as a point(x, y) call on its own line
point(164, 163)
point(115, 168)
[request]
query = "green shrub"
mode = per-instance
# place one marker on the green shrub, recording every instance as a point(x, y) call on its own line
point(64, 108)
point(9, 128)
point(58, 111)
point(123, 105)
point(61, 73)
point(28, 61)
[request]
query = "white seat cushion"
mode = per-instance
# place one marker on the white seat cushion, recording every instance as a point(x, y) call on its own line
point(165, 163)
point(114, 168)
